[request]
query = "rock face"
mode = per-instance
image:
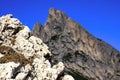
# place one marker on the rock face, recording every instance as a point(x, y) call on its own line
point(85, 57)
point(25, 57)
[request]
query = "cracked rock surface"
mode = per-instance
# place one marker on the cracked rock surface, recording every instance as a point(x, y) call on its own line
point(25, 57)
point(85, 56)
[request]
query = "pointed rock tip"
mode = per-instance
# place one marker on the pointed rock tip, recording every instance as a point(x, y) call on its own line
point(37, 26)
point(52, 10)
point(38, 23)
point(55, 12)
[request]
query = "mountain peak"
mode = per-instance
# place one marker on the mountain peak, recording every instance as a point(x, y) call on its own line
point(56, 13)
point(52, 11)
point(85, 56)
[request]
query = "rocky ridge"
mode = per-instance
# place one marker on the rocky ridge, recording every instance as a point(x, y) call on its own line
point(25, 57)
point(85, 56)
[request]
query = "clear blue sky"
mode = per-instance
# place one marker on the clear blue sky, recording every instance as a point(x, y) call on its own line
point(100, 17)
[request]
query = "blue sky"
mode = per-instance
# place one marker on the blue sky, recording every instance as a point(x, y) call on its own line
point(100, 17)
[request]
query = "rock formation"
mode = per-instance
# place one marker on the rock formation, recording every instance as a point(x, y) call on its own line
point(85, 57)
point(25, 57)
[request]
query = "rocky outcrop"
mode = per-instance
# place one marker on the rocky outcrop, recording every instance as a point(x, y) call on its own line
point(25, 57)
point(85, 56)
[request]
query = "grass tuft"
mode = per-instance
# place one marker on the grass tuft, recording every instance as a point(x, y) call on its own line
point(11, 56)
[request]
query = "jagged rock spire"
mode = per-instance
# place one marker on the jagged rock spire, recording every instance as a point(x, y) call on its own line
point(37, 28)
point(85, 56)
point(55, 18)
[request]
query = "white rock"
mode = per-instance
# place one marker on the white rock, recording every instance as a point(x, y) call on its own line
point(25, 33)
point(8, 25)
point(6, 70)
point(1, 55)
point(59, 67)
point(21, 76)
point(43, 69)
point(68, 77)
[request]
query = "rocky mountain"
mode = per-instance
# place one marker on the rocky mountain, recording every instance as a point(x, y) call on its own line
point(85, 56)
point(25, 57)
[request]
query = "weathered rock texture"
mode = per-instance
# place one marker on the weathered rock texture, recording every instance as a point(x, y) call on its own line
point(25, 57)
point(85, 57)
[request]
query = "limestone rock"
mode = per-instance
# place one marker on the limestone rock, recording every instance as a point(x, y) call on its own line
point(84, 56)
point(44, 71)
point(68, 77)
point(7, 69)
point(22, 56)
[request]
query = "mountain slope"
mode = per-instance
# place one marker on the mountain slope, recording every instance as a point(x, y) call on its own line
point(25, 57)
point(85, 56)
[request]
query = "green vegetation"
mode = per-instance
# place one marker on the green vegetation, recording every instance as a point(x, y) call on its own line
point(77, 76)
point(117, 74)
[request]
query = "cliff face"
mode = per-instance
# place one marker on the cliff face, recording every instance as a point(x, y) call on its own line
point(25, 57)
point(85, 56)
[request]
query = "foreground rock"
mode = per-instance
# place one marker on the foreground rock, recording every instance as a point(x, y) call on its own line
point(25, 57)
point(85, 57)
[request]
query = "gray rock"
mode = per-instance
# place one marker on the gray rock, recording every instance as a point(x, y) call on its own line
point(85, 56)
